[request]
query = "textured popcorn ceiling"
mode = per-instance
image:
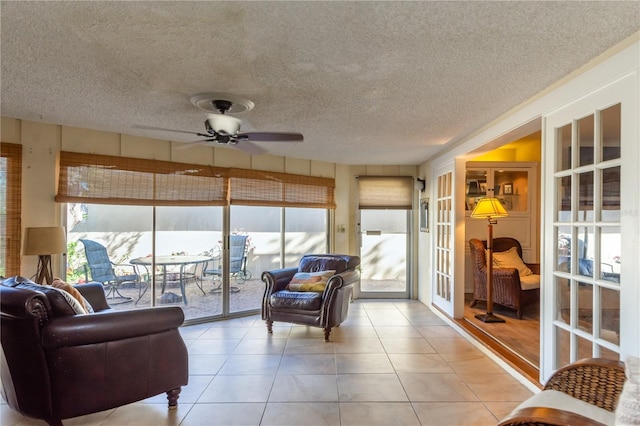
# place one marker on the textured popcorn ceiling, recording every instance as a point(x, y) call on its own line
point(365, 82)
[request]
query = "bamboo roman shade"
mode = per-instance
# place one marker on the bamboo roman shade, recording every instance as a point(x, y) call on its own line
point(385, 192)
point(263, 188)
point(102, 179)
point(11, 171)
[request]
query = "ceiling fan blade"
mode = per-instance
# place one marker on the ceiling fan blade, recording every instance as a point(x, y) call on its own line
point(249, 148)
point(186, 145)
point(271, 137)
point(136, 126)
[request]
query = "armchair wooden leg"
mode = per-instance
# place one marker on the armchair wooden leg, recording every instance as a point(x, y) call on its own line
point(473, 303)
point(269, 326)
point(327, 332)
point(173, 396)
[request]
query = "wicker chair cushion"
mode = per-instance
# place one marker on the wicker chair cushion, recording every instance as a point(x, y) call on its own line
point(511, 259)
point(562, 401)
point(530, 282)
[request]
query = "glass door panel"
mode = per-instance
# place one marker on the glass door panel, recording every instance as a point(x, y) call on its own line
point(186, 243)
point(125, 232)
point(383, 252)
point(262, 226)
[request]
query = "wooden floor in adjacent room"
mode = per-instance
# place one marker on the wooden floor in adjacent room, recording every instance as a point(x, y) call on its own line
point(518, 337)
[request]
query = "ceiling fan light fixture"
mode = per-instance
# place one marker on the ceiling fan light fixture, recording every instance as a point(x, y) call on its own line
point(224, 124)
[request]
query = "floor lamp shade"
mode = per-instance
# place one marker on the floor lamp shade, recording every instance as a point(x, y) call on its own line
point(489, 208)
point(43, 242)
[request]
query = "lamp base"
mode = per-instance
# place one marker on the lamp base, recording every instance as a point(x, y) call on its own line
point(489, 317)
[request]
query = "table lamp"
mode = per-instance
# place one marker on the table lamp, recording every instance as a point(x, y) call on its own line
point(44, 242)
point(489, 208)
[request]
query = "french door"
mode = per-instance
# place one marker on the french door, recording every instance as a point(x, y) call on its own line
point(591, 156)
point(444, 242)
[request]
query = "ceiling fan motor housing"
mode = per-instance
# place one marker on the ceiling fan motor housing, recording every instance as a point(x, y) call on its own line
point(223, 124)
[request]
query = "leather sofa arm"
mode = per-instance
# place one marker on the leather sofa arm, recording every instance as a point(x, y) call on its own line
point(94, 293)
point(108, 326)
point(23, 304)
point(277, 279)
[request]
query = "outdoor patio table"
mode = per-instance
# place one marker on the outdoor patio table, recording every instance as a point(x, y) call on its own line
point(178, 260)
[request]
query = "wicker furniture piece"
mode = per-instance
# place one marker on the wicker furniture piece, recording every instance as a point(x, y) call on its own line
point(507, 289)
point(596, 381)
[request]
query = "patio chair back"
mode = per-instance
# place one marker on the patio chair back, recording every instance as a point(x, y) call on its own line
point(99, 263)
point(237, 253)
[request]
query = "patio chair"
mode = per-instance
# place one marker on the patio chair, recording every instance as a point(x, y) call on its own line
point(237, 263)
point(102, 271)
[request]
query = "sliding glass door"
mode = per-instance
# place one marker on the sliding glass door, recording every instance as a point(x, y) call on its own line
point(190, 261)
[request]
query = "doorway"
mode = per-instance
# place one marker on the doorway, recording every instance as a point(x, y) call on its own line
point(510, 174)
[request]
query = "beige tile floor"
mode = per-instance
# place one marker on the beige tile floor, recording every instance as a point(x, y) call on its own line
point(390, 363)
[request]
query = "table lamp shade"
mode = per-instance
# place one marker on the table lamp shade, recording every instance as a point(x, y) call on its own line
point(489, 208)
point(45, 240)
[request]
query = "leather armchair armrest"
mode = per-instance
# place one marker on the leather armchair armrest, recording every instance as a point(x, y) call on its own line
point(277, 279)
point(75, 330)
point(341, 280)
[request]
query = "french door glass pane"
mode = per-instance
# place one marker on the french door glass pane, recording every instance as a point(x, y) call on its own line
point(564, 148)
point(585, 191)
point(585, 140)
point(564, 198)
point(563, 298)
point(610, 253)
point(610, 315)
point(610, 189)
point(610, 118)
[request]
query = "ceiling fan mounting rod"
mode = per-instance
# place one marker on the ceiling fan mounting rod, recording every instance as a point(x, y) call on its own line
point(222, 105)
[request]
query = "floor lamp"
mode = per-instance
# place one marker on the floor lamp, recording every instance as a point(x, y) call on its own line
point(44, 242)
point(490, 209)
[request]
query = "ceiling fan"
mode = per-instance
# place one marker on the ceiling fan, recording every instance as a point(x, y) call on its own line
point(223, 129)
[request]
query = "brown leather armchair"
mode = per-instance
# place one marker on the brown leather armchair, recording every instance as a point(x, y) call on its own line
point(325, 309)
point(507, 287)
point(57, 364)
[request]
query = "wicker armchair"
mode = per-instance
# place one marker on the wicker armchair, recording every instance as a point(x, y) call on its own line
point(507, 288)
point(596, 381)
